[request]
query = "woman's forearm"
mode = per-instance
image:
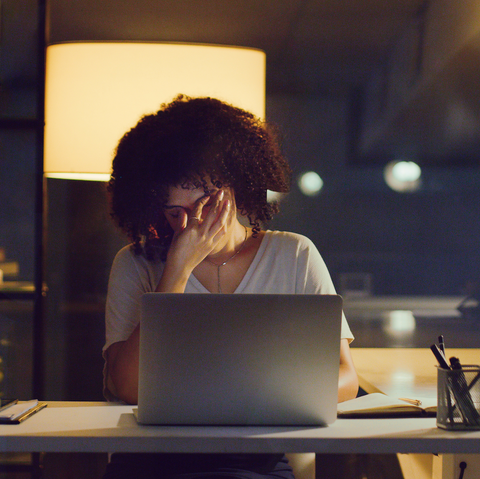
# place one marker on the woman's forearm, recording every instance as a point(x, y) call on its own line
point(347, 383)
point(122, 368)
point(173, 280)
point(348, 379)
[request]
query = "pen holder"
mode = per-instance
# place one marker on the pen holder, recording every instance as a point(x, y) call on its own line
point(458, 395)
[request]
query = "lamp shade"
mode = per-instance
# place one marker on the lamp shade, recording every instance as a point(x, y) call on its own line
point(95, 92)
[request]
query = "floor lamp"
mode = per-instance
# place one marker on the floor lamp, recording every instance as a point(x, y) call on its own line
point(95, 92)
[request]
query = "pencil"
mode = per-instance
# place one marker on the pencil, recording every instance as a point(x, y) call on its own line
point(415, 402)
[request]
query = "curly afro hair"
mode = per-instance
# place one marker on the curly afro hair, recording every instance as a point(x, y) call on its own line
point(193, 140)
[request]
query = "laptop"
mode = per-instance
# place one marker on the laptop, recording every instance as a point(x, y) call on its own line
point(239, 359)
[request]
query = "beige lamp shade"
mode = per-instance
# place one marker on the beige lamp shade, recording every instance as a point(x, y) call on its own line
point(95, 92)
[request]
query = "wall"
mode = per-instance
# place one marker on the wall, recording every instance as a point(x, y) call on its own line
point(425, 243)
point(18, 70)
point(18, 74)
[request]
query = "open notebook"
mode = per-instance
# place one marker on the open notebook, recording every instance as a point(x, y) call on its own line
point(239, 359)
point(380, 405)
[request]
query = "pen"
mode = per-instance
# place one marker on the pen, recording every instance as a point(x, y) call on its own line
point(441, 344)
point(440, 357)
point(462, 396)
point(30, 412)
point(455, 363)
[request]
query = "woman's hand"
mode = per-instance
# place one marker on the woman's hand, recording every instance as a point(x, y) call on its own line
point(196, 235)
point(200, 232)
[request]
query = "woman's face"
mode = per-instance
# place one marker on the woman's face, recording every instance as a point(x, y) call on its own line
point(183, 199)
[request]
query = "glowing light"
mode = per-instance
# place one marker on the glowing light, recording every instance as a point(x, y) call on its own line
point(403, 176)
point(96, 91)
point(406, 171)
point(310, 183)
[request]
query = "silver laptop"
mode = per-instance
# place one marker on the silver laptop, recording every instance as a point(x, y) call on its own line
point(239, 359)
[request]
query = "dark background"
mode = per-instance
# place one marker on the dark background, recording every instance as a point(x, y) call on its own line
point(352, 85)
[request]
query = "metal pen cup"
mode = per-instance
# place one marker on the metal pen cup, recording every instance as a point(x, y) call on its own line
point(458, 394)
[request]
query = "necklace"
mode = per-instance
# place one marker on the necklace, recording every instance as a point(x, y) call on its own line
point(225, 262)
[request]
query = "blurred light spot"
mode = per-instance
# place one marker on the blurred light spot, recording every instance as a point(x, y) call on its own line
point(310, 183)
point(401, 321)
point(403, 176)
point(406, 171)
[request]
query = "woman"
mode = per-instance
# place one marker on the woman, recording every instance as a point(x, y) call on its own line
point(181, 179)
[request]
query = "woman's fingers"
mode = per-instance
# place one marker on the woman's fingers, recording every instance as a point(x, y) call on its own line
point(219, 226)
point(182, 219)
point(197, 212)
point(210, 225)
point(216, 218)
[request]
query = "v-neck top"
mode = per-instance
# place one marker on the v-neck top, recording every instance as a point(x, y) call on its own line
point(195, 286)
point(285, 263)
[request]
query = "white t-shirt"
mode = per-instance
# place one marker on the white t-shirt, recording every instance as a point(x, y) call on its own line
point(285, 263)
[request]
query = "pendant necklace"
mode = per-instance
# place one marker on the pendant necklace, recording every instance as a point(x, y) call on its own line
point(225, 262)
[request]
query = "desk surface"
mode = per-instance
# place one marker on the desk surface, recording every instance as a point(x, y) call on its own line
point(108, 428)
point(100, 427)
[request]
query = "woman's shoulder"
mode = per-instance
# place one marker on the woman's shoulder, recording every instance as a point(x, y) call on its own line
point(132, 268)
point(126, 254)
point(127, 257)
point(288, 239)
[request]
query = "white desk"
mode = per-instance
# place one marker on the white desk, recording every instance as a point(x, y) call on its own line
point(103, 428)
point(98, 427)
